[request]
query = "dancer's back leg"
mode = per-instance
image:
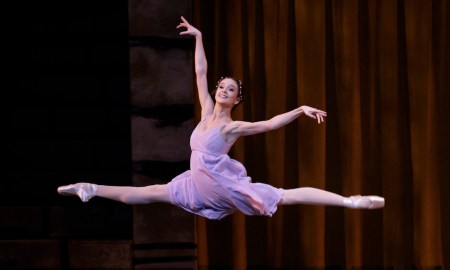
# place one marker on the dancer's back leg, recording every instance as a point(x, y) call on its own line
point(125, 194)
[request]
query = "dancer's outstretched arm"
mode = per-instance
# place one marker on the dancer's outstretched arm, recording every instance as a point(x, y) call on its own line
point(201, 67)
point(237, 129)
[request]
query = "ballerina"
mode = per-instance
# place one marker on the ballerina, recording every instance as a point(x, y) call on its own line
point(216, 185)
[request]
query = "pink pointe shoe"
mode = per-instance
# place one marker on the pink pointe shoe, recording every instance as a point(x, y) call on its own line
point(83, 190)
point(364, 202)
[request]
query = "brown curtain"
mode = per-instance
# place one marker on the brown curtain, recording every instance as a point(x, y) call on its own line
point(380, 69)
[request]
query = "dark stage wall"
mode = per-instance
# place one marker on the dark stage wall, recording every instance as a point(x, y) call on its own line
point(69, 120)
point(91, 96)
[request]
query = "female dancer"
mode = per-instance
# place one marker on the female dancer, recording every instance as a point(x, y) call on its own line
point(216, 185)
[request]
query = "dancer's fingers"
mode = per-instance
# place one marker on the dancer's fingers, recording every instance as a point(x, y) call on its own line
point(320, 118)
point(184, 20)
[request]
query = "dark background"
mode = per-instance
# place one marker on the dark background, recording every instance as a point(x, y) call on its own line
point(68, 118)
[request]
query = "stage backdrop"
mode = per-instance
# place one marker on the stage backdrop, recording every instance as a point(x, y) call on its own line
point(380, 69)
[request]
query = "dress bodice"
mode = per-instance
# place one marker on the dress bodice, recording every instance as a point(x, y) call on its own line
point(209, 142)
point(217, 185)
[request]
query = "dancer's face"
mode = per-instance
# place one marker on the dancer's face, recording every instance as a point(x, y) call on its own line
point(227, 92)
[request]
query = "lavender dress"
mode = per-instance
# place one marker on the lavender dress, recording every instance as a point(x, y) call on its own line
point(216, 185)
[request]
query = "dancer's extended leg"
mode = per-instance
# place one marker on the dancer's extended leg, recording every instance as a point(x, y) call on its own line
point(308, 195)
point(125, 194)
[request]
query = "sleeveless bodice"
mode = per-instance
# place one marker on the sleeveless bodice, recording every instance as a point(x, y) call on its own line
point(210, 141)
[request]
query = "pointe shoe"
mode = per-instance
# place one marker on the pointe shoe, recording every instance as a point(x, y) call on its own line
point(364, 202)
point(83, 190)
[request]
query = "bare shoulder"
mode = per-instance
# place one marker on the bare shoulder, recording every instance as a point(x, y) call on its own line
point(232, 126)
point(205, 114)
point(242, 128)
point(235, 129)
point(229, 131)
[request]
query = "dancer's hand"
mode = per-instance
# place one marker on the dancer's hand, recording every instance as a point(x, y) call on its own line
point(314, 113)
point(190, 30)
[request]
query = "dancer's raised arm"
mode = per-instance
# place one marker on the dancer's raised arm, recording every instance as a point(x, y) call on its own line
point(201, 67)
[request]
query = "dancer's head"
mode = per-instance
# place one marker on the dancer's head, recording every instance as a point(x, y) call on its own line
point(228, 90)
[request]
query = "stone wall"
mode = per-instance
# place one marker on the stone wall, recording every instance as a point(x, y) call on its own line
point(161, 71)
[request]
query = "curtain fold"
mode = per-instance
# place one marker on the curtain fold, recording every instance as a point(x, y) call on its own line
point(380, 70)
